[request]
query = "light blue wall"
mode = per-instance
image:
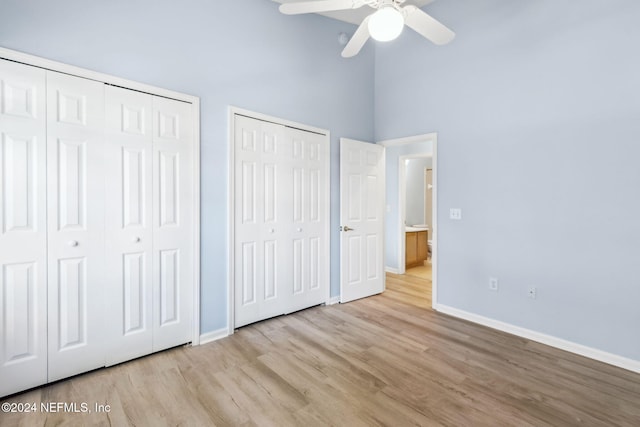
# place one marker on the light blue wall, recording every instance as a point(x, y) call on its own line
point(537, 109)
point(236, 52)
point(415, 191)
point(391, 228)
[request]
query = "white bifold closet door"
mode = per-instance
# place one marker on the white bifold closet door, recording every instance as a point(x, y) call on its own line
point(23, 229)
point(76, 249)
point(149, 227)
point(129, 235)
point(281, 249)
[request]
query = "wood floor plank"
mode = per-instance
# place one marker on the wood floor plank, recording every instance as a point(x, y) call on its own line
point(387, 360)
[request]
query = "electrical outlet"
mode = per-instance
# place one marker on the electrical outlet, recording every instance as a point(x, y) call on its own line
point(455, 213)
point(493, 284)
point(532, 292)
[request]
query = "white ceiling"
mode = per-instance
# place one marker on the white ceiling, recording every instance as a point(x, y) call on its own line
point(355, 16)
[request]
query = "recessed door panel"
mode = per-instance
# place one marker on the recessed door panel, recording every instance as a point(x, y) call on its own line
point(314, 195)
point(72, 180)
point(169, 278)
point(248, 273)
point(355, 251)
point(298, 195)
point(133, 187)
point(314, 263)
point(72, 108)
point(270, 269)
point(373, 246)
point(354, 204)
point(134, 291)
point(270, 192)
point(373, 186)
point(23, 235)
point(169, 188)
point(248, 195)
point(298, 266)
point(19, 98)
point(20, 177)
point(72, 301)
point(20, 313)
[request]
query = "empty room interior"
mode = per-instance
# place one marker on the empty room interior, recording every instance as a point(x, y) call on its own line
point(325, 212)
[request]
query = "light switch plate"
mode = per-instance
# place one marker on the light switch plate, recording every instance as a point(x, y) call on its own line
point(455, 213)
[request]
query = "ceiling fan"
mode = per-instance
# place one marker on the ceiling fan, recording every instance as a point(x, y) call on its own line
point(385, 24)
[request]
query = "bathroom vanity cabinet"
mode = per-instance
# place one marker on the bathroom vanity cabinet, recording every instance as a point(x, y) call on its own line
point(417, 248)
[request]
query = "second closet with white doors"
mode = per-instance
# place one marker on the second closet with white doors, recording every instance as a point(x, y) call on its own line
point(281, 219)
point(97, 205)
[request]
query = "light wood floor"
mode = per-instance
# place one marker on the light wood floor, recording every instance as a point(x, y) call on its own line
point(384, 360)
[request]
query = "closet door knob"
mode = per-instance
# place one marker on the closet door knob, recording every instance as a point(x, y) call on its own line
point(73, 243)
point(136, 240)
point(271, 230)
point(299, 230)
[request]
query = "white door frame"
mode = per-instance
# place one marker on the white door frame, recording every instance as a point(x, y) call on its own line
point(153, 90)
point(231, 201)
point(433, 138)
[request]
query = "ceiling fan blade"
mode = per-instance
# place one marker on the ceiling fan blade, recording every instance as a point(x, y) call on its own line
point(358, 40)
point(296, 8)
point(427, 26)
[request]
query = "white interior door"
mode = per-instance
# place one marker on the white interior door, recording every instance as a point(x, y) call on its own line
point(362, 199)
point(23, 236)
point(310, 245)
point(128, 151)
point(75, 126)
point(173, 228)
point(262, 221)
point(281, 261)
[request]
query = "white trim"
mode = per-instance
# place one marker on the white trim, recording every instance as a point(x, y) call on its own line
point(47, 64)
point(231, 182)
point(391, 270)
point(408, 140)
point(196, 220)
point(231, 200)
point(434, 223)
point(213, 336)
point(559, 343)
point(333, 300)
point(277, 120)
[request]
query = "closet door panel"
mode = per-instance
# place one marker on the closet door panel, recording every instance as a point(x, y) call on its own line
point(128, 223)
point(309, 187)
point(264, 258)
point(173, 229)
point(75, 149)
point(23, 286)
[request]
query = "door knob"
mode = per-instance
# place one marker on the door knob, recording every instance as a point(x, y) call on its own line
point(347, 228)
point(135, 240)
point(299, 230)
point(73, 243)
point(271, 230)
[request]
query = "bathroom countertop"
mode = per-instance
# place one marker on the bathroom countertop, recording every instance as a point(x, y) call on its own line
point(414, 229)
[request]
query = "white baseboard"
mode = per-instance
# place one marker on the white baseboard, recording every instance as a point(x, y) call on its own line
point(582, 350)
point(214, 336)
point(333, 300)
point(392, 270)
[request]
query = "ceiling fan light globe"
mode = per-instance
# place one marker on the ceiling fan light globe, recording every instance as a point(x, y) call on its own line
point(386, 24)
